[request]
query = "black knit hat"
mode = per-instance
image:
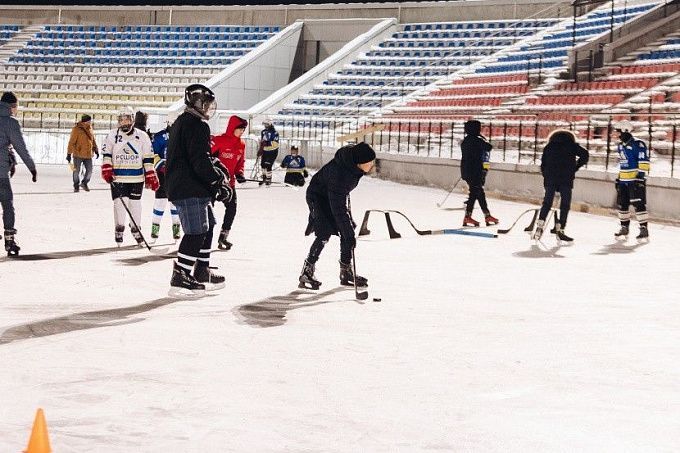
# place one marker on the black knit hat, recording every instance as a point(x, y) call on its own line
point(85, 118)
point(362, 153)
point(9, 98)
point(472, 127)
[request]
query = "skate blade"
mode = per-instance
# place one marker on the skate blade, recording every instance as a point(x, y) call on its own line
point(214, 286)
point(183, 293)
point(351, 285)
point(303, 285)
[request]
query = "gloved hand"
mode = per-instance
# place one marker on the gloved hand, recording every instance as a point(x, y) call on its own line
point(96, 153)
point(68, 158)
point(151, 180)
point(107, 173)
point(305, 173)
point(240, 178)
point(224, 193)
point(12, 170)
point(34, 174)
point(221, 168)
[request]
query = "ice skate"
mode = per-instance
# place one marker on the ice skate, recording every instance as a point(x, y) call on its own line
point(119, 234)
point(559, 232)
point(222, 242)
point(644, 234)
point(622, 233)
point(138, 237)
point(538, 232)
point(182, 284)
point(490, 220)
point(468, 221)
point(11, 247)
point(347, 276)
point(307, 279)
point(212, 282)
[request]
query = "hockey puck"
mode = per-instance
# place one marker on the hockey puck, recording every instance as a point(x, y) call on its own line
point(376, 299)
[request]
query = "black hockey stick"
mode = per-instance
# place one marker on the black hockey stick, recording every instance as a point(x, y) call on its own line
point(280, 184)
point(439, 205)
point(359, 295)
point(529, 228)
point(394, 235)
point(132, 219)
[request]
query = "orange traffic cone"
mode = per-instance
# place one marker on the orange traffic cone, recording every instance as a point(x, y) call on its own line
point(39, 441)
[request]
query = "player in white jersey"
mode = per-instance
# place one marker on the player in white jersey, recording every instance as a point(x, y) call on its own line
point(128, 167)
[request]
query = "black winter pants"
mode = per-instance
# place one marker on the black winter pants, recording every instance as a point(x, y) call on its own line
point(565, 201)
point(634, 193)
point(268, 158)
point(476, 194)
point(320, 242)
point(7, 202)
point(229, 211)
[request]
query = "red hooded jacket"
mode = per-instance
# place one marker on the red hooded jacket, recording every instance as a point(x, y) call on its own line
point(230, 149)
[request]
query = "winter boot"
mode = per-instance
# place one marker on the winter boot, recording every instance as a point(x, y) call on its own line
point(490, 220)
point(222, 242)
point(644, 233)
point(120, 229)
point(622, 233)
point(264, 179)
point(11, 246)
point(307, 279)
point(538, 232)
point(469, 221)
point(137, 235)
point(182, 284)
point(76, 188)
point(559, 232)
point(155, 230)
point(347, 277)
point(175, 231)
point(210, 280)
point(84, 186)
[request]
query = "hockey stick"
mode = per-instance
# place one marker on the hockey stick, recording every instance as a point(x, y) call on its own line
point(255, 171)
point(359, 295)
point(394, 235)
point(507, 230)
point(439, 205)
point(280, 184)
point(132, 219)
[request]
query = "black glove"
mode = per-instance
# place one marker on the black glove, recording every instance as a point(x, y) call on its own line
point(34, 173)
point(12, 170)
point(68, 158)
point(305, 173)
point(240, 178)
point(221, 168)
point(224, 193)
point(96, 153)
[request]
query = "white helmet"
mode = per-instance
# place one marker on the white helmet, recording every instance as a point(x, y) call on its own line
point(267, 121)
point(624, 126)
point(126, 119)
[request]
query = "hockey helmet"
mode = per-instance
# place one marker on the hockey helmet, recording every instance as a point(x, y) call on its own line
point(624, 129)
point(126, 119)
point(267, 122)
point(201, 99)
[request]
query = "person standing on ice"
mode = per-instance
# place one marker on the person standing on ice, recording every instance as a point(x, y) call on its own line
point(562, 158)
point(631, 185)
point(268, 151)
point(295, 168)
point(474, 165)
point(329, 212)
point(230, 149)
point(127, 167)
point(82, 146)
point(11, 140)
point(193, 184)
point(160, 147)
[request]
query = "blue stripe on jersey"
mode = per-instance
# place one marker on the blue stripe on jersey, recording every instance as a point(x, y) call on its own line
point(128, 171)
point(157, 212)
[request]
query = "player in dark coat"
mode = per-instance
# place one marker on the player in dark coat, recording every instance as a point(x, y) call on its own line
point(562, 158)
point(474, 165)
point(329, 212)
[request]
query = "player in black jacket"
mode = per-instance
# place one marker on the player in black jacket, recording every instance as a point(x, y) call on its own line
point(562, 157)
point(329, 213)
point(474, 165)
point(193, 182)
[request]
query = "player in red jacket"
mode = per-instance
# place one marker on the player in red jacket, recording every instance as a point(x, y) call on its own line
point(231, 151)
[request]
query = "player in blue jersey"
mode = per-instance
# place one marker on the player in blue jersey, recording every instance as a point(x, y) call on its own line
point(631, 185)
point(296, 170)
point(160, 146)
point(269, 150)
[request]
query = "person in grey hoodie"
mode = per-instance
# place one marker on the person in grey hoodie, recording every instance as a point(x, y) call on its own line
point(11, 140)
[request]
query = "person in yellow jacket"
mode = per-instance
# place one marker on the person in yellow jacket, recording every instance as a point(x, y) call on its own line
point(81, 147)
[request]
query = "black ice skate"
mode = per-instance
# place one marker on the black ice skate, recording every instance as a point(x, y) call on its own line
point(210, 280)
point(644, 233)
point(347, 276)
point(307, 279)
point(222, 242)
point(182, 284)
point(538, 232)
point(138, 237)
point(622, 233)
point(11, 247)
point(120, 229)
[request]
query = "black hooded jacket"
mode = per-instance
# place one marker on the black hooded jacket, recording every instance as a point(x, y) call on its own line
point(561, 159)
point(327, 195)
point(189, 170)
point(473, 148)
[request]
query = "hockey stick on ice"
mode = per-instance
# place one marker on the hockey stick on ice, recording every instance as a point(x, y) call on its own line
point(280, 184)
point(359, 295)
point(132, 219)
point(529, 228)
point(394, 235)
point(439, 205)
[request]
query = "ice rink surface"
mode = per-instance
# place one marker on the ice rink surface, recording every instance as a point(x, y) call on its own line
point(478, 345)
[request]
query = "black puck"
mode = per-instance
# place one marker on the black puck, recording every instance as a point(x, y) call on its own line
point(376, 299)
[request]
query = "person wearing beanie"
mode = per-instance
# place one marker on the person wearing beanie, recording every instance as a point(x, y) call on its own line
point(11, 140)
point(562, 157)
point(474, 166)
point(80, 149)
point(330, 214)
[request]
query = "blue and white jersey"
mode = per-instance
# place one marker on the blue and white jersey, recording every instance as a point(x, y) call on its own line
point(269, 140)
point(293, 163)
point(130, 155)
point(160, 147)
point(633, 161)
